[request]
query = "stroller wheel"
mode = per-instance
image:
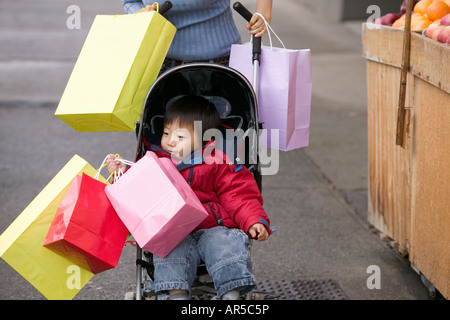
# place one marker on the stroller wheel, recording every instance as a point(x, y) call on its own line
point(130, 296)
point(254, 296)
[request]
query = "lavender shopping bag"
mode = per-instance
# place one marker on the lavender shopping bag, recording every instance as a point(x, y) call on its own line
point(156, 204)
point(284, 93)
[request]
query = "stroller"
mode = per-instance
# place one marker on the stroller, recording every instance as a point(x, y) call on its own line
point(236, 102)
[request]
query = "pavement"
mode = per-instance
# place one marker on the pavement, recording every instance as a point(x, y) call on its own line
point(317, 201)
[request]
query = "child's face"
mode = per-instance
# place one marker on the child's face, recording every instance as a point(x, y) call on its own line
point(178, 141)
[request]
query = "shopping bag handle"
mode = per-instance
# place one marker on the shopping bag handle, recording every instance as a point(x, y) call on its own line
point(116, 174)
point(255, 40)
point(269, 31)
point(163, 8)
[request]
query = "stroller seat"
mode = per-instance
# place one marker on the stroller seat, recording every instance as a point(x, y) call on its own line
point(236, 102)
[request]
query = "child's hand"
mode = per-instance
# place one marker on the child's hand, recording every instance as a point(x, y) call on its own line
point(256, 25)
point(114, 165)
point(258, 231)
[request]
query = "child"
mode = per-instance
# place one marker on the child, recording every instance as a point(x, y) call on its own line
point(230, 196)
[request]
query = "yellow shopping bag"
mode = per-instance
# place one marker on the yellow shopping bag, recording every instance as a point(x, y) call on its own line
point(21, 244)
point(119, 61)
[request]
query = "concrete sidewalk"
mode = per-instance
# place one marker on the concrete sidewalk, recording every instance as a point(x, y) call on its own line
point(317, 201)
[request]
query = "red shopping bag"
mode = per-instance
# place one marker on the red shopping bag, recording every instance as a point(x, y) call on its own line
point(86, 229)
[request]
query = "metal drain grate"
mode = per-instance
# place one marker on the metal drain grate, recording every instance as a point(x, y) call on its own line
point(299, 290)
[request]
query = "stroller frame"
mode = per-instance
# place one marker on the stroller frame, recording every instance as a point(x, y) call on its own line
point(203, 282)
point(203, 285)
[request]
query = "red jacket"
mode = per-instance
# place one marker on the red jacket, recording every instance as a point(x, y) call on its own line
point(228, 192)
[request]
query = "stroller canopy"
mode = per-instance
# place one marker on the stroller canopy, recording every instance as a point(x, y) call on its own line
point(229, 90)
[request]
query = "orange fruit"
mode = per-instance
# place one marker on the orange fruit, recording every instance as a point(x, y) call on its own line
point(420, 23)
point(447, 2)
point(422, 5)
point(437, 10)
point(400, 22)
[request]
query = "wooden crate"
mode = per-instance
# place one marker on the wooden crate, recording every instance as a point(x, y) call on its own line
point(409, 189)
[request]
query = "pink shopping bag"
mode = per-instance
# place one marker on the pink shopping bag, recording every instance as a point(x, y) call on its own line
point(284, 93)
point(156, 204)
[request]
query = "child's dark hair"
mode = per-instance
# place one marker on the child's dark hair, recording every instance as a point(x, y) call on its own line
point(192, 108)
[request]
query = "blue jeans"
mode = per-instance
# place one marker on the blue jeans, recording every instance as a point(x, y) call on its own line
point(225, 252)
